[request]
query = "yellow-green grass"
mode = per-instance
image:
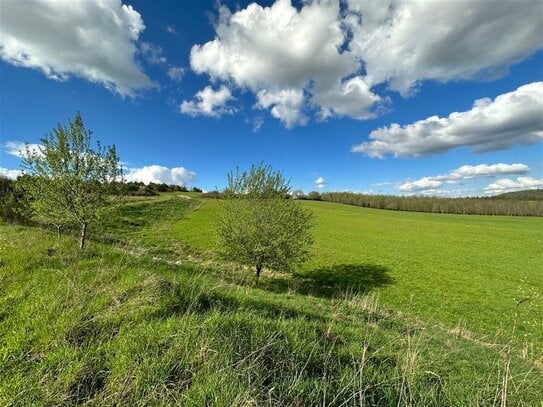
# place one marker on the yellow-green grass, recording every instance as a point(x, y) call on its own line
point(109, 327)
point(462, 271)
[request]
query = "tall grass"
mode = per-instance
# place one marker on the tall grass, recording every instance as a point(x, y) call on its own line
point(103, 327)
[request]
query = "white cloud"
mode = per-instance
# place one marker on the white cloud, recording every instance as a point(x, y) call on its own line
point(94, 40)
point(510, 119)
point(11, 174)
point(153, 53)
point(275, 46)
point(208, 102)
point(351, 98)
point(282, 50)
point(320, 183)
point(159, 174)
point(286, 105)
point(463, 173)
point(420, 184)
point(485, 170)
point(175, 73)
point(334, 52)
point(508, 185)
point(18, 148)
point(405, 41)
point(171, 29)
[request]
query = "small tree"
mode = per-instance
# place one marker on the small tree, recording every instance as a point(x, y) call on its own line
point(259, 226)
point(69, 181)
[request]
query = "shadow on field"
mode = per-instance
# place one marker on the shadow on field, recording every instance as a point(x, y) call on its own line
point(334, 281)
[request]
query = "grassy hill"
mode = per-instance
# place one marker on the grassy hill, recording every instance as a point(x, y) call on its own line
point(395, 308)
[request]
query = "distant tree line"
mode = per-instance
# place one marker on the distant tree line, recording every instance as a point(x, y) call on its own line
point(213, 195)
point(311, 196)
point(519, 204)
point(133, 188)
point(468, 206)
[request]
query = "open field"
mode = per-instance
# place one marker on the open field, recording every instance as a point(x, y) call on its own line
point(455, 269)
point(394, 308)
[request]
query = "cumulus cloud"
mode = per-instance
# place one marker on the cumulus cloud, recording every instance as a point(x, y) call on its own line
point(274, 46)
point(11, 174)
point(208, 102)
point(405, 41)
point(484, 170)
point(420, 184)
point(463, 173)
point(510, 119)
point(286, 105)
point(280, 51)
point(320, 183)
point(509, 185)
point(18, 148)
point(175, 73)
point(334, 52)
point(161, 175)
point(352, 98)
point(92, 40)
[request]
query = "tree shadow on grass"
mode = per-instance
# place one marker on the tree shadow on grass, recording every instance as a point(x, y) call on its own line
point(183, 298)
point(333, 281)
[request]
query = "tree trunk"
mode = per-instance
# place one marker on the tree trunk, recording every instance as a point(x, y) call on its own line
point(83, 236)
point(58, 231)
point(258, 270)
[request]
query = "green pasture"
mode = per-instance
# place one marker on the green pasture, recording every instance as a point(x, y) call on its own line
point(395, 308)
point(458, 270)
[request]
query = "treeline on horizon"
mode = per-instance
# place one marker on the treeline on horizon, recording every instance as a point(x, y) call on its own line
point(133, 188)
point(522, 203)
point(498, 205)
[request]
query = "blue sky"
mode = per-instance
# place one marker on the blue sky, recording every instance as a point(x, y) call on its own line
point(339, 95)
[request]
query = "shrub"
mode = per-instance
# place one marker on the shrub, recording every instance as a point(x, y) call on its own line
point(14, 205)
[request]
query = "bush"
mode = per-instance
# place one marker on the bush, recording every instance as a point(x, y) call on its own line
point(14, 206)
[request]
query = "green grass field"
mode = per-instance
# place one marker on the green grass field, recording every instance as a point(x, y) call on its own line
point(394, 309)
point(453, 269)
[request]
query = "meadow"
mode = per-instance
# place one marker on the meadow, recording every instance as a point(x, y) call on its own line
point(465, 271)
point(394, 308)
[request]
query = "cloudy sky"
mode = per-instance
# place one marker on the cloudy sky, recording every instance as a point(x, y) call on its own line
point(429, 97)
